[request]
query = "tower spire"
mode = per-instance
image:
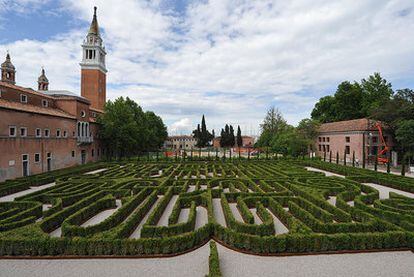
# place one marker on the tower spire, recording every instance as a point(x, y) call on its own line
point(8, 71)
point(94, 28)
point(42, 81)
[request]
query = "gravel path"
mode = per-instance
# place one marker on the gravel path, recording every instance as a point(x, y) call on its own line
point(11, 197)
point(167, 212)
point(193, 264)
point(202, 217)
point(218, 212)
point(332, 200)
point(235, 211)
point(384, 191)
point(137, 232)
point(280, 228)
point(383, 264)
point(257, 219)
point(327, 173)
point(102, 215)
point(96, 171)
point(183, 217)
point(56, 233)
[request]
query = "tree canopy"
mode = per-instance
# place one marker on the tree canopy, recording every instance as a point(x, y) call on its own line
point(353, 100)
point(202, 135)
point(227, 138)
point(126, 129)
point(284, 138)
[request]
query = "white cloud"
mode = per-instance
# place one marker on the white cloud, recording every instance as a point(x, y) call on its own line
point(182, 126)
point(231, 59)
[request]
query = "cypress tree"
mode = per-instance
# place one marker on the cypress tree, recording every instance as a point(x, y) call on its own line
point(239, 137)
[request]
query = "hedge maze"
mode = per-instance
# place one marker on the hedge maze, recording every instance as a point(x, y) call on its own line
point(165, 208)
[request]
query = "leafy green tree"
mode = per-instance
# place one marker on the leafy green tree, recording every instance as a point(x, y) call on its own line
point(377, 91)
point(348, 101)
point(308, 130)
point(272, 123)
point(405, 136)
point(239, 138)
point(353, 100)
point(125, 129)
point(325, 109)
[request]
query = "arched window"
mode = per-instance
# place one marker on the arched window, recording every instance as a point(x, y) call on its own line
point(79, 129)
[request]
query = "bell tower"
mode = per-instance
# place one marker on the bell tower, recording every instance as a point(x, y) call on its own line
point(8, 71)
point(93, 69)
point(43, 82)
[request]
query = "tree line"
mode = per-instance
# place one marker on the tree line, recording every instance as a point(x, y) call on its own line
point(372, 98)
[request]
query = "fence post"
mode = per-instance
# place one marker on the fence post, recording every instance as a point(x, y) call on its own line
point(267, 153)
point(345, 156)
point(353, 158)
point(248, 154)
point(324, 156)
point(389, 162)
point(239, 154)
point(330, 156)
point(216, 153)
point(363, 150)
point(230, 153)
point(403, 166)
point(376, 163)
point(337, 157)
point(199, 153)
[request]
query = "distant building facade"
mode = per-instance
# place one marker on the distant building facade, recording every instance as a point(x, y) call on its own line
point(247, 141)
point(347, 137)
point(180, 142)
point(43, 130)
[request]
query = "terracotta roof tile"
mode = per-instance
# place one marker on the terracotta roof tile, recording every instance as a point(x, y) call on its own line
point(25, 90)
point(362, 124)
point(33, 109)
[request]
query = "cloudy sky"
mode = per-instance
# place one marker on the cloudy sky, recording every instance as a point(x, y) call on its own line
point(228, 59)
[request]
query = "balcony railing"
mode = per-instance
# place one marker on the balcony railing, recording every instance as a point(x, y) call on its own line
point(84, 140)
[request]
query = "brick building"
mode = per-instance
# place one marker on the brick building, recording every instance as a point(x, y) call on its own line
point(247, 141)
point(349, 136)
point(43, 130)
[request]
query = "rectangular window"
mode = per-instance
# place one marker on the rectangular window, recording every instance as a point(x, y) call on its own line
point(58, 133)
point(323, 139)
point(12, 131)
point(38, 133)
point(98, 152)
point(47, 133)
point(45, 103)
point(49, 155)
point(320, 139)
point(93, 152)
point(37, 157)
point(327, 148)
point(65, 134)
point(347, 139)
point(23, 98)
point(327, 139)
point(73, 154)
point(23, 131)
point(320, 147)
point(347, 150)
